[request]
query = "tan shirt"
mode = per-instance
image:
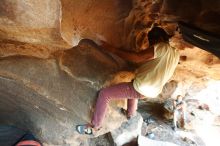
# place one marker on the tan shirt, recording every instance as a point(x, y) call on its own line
point(152, 76)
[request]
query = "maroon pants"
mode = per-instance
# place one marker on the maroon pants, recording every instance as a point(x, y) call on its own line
point(119, 91)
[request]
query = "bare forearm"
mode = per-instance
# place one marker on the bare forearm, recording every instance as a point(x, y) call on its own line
point(134, 57)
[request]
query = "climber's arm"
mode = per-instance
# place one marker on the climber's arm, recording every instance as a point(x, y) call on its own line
point(135, 57)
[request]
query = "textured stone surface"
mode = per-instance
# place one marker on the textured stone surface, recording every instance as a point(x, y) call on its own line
point(139, 22)
point(63, 23)
point(127, 131)
point(50, 97)
point(31, 21)
point(14, 48)
point(95, 20)
point(60, 23)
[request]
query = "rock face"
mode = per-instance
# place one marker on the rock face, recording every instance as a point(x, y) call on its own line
point(94, 20)
point(128, 131)
point(61, 24)
point(50, 97)
point(31, 21)
point(48, 88)
point(200, 13)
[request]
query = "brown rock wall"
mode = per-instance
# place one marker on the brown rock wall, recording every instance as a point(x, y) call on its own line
point(50, 97)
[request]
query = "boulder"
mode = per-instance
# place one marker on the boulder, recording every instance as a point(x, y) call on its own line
point(128, 131)
point(31, 21)
point(50, 97)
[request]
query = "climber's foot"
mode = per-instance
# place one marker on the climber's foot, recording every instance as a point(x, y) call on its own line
point(84, 129)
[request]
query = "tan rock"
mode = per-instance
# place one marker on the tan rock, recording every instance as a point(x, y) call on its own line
point(128, 131)
point(31, 21)
point(50, 97)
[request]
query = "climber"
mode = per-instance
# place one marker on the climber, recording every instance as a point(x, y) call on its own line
point(158, 64)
